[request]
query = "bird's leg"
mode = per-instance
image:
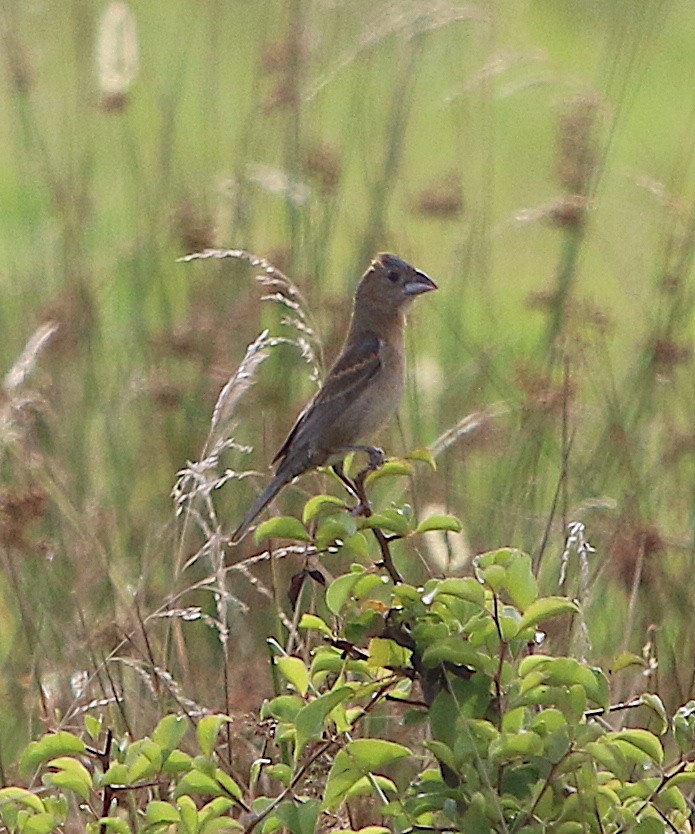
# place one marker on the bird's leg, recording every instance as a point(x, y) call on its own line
point(375, 454)
point(339, 470)
point(376, 459)
point(356, 486)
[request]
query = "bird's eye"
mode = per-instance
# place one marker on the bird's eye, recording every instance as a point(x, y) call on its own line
point(392, 275)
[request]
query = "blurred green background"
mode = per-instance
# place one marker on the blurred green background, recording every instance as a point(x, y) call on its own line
point(535, 158)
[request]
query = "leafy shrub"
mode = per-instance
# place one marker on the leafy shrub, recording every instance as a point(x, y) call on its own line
point(426, 708)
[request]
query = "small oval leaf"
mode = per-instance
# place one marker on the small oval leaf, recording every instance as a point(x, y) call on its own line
point(440, 522)
point(295, 671)
point(545, 609)
point(391, 469)
point(283, 527)
point(321, 505)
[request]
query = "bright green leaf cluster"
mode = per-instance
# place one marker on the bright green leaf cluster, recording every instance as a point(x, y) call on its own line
point(517, 739)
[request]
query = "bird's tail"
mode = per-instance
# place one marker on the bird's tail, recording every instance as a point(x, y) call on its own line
point(264, 499)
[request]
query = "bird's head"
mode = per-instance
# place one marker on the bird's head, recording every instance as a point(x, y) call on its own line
point(391, 283)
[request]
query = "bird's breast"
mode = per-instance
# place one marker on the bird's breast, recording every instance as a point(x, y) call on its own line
point(380, 401)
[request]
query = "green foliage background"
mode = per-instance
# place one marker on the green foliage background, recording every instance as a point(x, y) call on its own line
point(535, 158)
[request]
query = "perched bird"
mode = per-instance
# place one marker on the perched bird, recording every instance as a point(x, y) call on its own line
point(363, 388)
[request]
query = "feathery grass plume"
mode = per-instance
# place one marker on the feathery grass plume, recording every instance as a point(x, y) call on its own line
point(117, 55)
point(193, 225)
point(324, 165)
point(277, 182)
point(16, 404)
point(194, 490)
point(578, 149)
point(283, 291)
point(16, 58)
point(442, 199)
point(400, 18)
point(25, 365)
point(467, 425)
point(196, 482)
point(156, 679)
point(576, 542)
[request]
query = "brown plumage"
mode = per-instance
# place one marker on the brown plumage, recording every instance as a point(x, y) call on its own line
point(363, 388)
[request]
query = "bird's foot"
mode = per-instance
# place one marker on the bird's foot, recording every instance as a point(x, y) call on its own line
point(376, 458)
point(361, 509)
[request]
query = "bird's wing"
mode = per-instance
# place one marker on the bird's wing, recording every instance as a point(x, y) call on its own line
point(350, 375)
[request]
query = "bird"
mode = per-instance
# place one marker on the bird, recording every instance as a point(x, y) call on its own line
point(363, 388)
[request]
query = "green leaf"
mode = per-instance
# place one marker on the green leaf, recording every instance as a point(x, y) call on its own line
point(340, 589)
point(310, 721)
point(576, 705)
point(321, 505)
point(650, 825)
point(93, 726)
point(48, 747)
point(189, 815)
point(281, 772)
point(223, 825)
point(390, 520)
point(455, 650)
point(440, 522)
point(508, 746)
point(366, 584)
point(374, 753)
point(366, 786)
point(207, 731)
point(117, 774)
point(684, 726)
point(176, 762)
point(656, 705)
point(521, 583)
point(687, 777)
point(643, 740)
point(358, 545)
point(424, 456)
point(299, 817)
point(385, 653)
point(31, 800)
point(294, 669)
point(354, 761)
point(144, 766)
point(113, 824)
point(495, 576)
point(312, 621)
point(214, 809)
point(39, 824)
point(162, 812)
point(284, 708)
point(338, 527)
point(231, 788)
point(283, 527)
point(442, 753)
point(72, 775)
point(170, 731)
point(467, 588)
point(391, 469)
point(545, 609)
point(626, 659)
point(195, 782)
point(341, 777)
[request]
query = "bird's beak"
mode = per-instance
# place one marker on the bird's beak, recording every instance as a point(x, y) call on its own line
point(419, 283)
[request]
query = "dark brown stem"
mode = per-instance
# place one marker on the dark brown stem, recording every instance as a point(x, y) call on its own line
point(364, 508)
point(104, 757)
